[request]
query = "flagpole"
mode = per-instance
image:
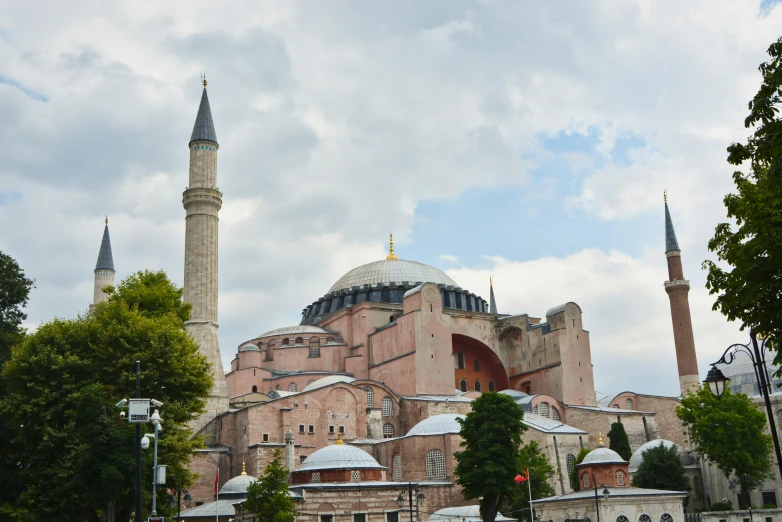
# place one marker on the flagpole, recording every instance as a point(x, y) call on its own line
point(529, 485)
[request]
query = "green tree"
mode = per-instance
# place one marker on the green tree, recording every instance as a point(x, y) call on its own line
point(532, 458)
point(14, 291)
point(574, 482)
point(661, 468)
point(618, 441)
point(730, 432)
point(749, 279)
point(267, 497)
point(70, 451)
point(491, 438)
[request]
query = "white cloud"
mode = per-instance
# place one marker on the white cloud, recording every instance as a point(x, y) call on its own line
point(449, 258)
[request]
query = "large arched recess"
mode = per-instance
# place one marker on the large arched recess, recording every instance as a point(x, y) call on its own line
point(490, 367)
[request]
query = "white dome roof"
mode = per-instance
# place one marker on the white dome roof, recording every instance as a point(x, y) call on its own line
point(298, 329)
point(339, 456)
point(637, 456)
point(392, 271)
point(238, 484)
point(602, 455)
point(326, 381)
point(438, 424)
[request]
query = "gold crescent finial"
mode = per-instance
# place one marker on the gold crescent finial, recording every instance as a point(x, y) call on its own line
point(491, 282)
point(244, 471)
point(600, 443)
point(391, 256)
point(665, 196)
point(339, 439)
point(203, 80)
point(107, 219)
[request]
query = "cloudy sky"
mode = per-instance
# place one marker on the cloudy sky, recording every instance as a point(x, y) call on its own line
point(530, 141)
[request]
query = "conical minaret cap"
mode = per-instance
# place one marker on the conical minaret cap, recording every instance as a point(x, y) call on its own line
point(204, 127)
point(492, 302)
point(670, 234)
point(105, 259)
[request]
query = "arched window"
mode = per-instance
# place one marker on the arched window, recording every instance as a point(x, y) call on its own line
point(435, 465)
point(644, 518)
point(463, 385)
point(396, 468)
point(535, 410)
point(310, 381)
point(571, 463)
point(255, 389)
point(315, 350)
point(555, 414)
point(477, 385)
point(388, 431)
point(300, 340)
point(329, 340)
point(285, 342)
point(616, 406)
point(666, 518)
point(387, 406)
point(293, 387)
point(585, 480)
point(544, 409)
point(460, 361)
point(278, 387)
point(370, 398)
point(628, 404)
point(476, 365)
point(620, 478)
point(622, 518)
point(492, 387)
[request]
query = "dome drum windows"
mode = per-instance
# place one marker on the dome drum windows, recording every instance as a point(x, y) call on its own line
point(293, 387)
point(435, 465)
point(620, 478)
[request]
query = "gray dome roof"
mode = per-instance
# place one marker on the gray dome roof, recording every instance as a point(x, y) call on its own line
point(438, 424)
point(237, 484)
point(339, 456)
point(602, 455)
point(392, 271)
point(249, 347)
point(326, 381)
point(742, 375)
point(637, 457)
point(298, 329)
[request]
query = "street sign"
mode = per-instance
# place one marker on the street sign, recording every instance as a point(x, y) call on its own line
point(138, 411)
point(155, 519)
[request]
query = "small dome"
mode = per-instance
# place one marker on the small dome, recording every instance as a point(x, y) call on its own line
point(602, 455)
point(237, 484)
point(249, 347)
point(438, 424)
point(637, 456)
point(326, 381)
point(298, 329)
point(339, 456)
point(392, 271)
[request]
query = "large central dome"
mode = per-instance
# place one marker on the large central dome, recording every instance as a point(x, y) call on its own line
point(392, 271)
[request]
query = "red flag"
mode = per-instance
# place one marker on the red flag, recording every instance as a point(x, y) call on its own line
point(217, 479)
point(519, 479)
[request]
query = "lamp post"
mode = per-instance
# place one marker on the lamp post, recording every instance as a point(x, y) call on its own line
point(717, 381)
point(176, 501)
point(156, 421)
point(606, 493)
point(419, 499)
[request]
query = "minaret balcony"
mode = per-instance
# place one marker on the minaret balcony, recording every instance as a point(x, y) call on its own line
point(677, 283)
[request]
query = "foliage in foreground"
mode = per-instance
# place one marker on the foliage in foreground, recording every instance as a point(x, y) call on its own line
point(618, 441)
point(267, 497)
point(661, 468)
point(14, 292)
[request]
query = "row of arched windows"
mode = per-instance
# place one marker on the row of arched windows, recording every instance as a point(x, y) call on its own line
point(643, 517)
point(386, 405)
point(628, 404)
point(477, 386)
point(545, 409)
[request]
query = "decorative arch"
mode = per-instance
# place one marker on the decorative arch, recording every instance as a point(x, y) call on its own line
point(489, 365)
point(326, 508)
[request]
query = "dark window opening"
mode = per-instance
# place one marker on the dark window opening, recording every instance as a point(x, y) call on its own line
point(460, 361)
point(463, 385)
point(477, 365)
point(478, 386)
point(311, 428)
point(255, 389)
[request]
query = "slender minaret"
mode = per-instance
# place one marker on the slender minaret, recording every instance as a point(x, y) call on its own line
point(104, 268)
point(202, 201)
point(492, 302)
point(677, 288)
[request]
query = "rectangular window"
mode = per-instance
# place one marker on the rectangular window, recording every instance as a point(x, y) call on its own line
point(460, 361)
point(331, 428)
point(359, 517)
point(342, 429)
point(769, 497)
point(302, 458)
point(266, 437)
point(312, 429)
point(392, 517)
point(326, 518)
point(301, 428)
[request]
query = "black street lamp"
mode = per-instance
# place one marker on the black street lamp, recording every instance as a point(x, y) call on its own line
point(606, 493)
point(757, 354)
point(175, 501)
point(419, 499)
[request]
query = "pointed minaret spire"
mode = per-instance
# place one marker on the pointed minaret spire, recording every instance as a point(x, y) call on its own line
point(104, 268)
point(492, 302)
point(678, 289)
point(204, 127)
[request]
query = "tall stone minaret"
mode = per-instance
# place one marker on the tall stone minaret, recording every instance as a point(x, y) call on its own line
point(202, 202)
point(104, 268)
point(677, 288)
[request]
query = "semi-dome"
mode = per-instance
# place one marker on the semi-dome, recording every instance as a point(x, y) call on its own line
point(339, 456)
point(637, 456)
point(326, 381)
point(392, 271)
point(602, 455)
point(437, 425)
point(298, 329)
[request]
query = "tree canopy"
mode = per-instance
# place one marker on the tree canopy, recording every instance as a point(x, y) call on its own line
point(729, 431)
point(14, 292)
point(70, 456)
point(618, 441)
point(748, 282)
point(661, 468)
point(267, 497)
point(491, 435)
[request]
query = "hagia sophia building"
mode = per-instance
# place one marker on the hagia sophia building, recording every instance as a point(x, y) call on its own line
point(363, 394)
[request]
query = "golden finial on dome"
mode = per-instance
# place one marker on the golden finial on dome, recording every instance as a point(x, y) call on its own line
point(244, 471)
point(600, 443)
point(203, 80)
point(339, 439)
point(665, 196)
point(391, 256)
